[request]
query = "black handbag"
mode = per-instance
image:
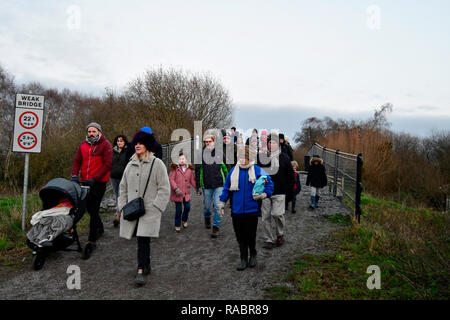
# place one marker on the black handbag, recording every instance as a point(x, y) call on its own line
point(135, 208)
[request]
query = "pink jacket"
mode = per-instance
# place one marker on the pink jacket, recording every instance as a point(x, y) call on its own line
point(182, 180)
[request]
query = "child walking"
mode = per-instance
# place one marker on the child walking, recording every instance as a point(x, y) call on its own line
point(181, 178)
point(317, 178)
point(297, 185)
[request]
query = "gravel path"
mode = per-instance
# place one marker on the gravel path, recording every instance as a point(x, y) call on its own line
point(188, 265)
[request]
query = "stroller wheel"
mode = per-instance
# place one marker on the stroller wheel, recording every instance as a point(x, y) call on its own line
point(38, 261)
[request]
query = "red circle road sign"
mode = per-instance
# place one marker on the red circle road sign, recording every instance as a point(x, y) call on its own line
point(28, 120)
point(27, 140)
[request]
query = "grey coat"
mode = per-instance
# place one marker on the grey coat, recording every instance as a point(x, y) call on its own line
point(155, 199)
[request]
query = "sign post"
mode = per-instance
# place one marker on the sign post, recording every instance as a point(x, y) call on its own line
point(28, 135)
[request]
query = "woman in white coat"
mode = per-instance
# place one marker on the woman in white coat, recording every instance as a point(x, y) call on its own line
point(156, 198)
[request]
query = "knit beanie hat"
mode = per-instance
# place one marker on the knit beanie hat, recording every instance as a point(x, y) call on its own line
point(147, 129)
point(145, 138)
point(281, 135)
point(273, 136)
point(95, 125)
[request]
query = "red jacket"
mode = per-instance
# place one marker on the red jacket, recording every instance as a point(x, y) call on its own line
point(182, 180)
point(95, 161)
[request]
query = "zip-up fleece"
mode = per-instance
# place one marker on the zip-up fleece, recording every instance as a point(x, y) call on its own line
point(94, 161)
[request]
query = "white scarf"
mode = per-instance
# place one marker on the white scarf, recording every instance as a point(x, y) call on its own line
point(235, 175)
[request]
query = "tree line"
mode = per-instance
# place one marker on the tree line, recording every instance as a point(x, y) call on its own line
point(164, 99)
point(397, 166)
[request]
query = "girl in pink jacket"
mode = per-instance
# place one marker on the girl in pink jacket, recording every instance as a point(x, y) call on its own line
point(181, 178)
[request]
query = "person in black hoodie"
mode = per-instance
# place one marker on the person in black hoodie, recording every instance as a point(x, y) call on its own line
point(317, 178)
point(119, 163)
point(280, 170)
point(286, 148)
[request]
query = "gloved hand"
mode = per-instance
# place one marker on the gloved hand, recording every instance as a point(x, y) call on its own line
point(261, 196)
point(89, 182)
point(221, 209)
point(75, 179)
point(199, 192)
point(178, 192)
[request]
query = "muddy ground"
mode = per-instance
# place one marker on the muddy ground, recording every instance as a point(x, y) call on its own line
point(188, 265)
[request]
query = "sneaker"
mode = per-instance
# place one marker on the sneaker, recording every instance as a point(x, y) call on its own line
point(208, 223)
point(215, 232)
point(140, 279)
point(87, 251)
point(268, 245)
point(280, 241)
point(242, 265)
point(185, 224)
point(177, 229)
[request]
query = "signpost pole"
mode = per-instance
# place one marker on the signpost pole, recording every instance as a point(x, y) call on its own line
point(25, 189)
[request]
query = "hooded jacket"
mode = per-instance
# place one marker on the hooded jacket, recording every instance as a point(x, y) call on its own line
point(93, 161)
point(317, 176)
point(181, 180)
point(211, 176)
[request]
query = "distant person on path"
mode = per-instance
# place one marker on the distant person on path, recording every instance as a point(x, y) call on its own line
point(210, 177)
point(92, 165)
point(280, 170)
point(119, 162)
point(229, 150)
point(317, 179)
point(286, 148)
point(156, 198)
point(263, 147)
point(297, 186)
point(234, 135)
point(244, 211)
point(181, 178)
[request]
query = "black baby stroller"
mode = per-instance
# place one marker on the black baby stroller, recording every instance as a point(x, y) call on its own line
point(50, 195)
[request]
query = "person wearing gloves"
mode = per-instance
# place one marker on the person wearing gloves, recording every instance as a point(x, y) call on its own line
point(181, 178)
point(239, 186)
point(316, 178)
point(144, 166)
point(93, 162)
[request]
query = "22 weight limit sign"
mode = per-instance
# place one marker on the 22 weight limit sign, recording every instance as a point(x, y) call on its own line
point(28, 123)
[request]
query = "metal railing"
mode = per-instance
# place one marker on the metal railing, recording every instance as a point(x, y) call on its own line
point(344, 174)
point(188, 147)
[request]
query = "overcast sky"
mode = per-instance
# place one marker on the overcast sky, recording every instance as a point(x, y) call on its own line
point(285, 60)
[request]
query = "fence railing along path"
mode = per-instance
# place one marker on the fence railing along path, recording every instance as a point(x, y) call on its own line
point(344, 174)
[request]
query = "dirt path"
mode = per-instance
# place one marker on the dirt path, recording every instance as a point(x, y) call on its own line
point(189, 265)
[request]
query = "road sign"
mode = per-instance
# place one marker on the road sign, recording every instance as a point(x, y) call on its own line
point(28, 123)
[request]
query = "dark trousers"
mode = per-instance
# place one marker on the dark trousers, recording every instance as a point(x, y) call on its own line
point(245, 230)
point(180, 214)
point(143, 252)
point(94, 199)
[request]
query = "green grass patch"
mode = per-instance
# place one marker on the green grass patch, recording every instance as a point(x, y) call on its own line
point(411, 246)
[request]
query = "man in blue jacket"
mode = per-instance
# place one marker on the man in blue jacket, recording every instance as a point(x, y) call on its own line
point(244, 210)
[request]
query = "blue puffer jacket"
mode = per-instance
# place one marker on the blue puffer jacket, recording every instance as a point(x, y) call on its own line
point(242, 201)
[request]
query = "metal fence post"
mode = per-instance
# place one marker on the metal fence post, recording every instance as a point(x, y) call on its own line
point(359, 187)
point(336, 166)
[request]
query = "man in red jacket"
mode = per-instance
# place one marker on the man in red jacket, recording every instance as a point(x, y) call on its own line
point(93, 162)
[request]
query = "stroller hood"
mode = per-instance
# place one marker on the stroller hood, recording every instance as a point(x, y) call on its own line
point(55, 188)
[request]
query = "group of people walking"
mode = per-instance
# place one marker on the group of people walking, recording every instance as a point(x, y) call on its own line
point(258, 178)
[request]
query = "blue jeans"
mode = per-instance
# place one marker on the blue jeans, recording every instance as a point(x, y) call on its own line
point(208, 196)
point(182, 215)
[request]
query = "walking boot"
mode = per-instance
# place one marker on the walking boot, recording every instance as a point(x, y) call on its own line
point(87, 251)
point(244, 258)
point(252, 261)
point(316, 204)
point(208, 223)
point(140, 278)
point(312, 205)
point(215, 232)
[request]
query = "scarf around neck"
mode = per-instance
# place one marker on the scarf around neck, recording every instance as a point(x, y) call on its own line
point(92, 141)
point(234, 180)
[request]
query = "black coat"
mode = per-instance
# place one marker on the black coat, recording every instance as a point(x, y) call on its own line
point(119, 162)
point(284, 179)
point(288, 150)
point(317, 176)
point(211, 176)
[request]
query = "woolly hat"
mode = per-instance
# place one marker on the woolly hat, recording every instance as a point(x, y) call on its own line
point(145, 138)
point(95, 125)
point(147, 129)
point(281, 136)
point(273, 136)
point(264, 133)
